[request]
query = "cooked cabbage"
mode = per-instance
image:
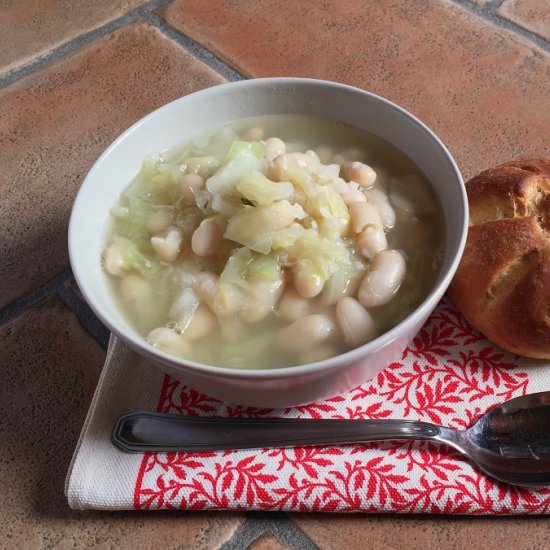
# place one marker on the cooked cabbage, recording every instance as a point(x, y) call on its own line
point(242, 158)
point(264, 218)
point(261, 191)
point(254, 226)
point(248, 279)
point(318, 257)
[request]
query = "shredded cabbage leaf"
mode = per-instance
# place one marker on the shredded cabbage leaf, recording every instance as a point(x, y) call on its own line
point(261, 191)
point(247, 279)
point(242, 158)
point(254, 227)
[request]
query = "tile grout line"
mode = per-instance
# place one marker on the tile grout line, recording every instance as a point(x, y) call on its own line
point(492, 5)
point(77, 43)
point(496, 4)
point(57, 287)
point(86, 317)
point(278, 524)
point(20, 305)
point(198, 50)
point(144, 12)
point(489, 14)
point(290, 534)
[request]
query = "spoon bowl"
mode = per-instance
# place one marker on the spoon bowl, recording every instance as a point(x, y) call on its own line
point(510, 443)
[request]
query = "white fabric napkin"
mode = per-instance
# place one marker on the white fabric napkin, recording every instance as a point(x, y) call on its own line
point(449, 375)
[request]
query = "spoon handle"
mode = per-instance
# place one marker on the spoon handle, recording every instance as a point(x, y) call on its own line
point(154, 432)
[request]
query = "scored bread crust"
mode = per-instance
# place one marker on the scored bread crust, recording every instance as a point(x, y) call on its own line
point(502, 286)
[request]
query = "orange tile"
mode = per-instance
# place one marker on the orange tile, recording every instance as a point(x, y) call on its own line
point(56, 122)
point(483, 89)
point(533, 15)
point(32, 27)
point(49, 368)
point(391, 532)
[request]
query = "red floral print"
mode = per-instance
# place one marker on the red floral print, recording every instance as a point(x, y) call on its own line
point(449, 375)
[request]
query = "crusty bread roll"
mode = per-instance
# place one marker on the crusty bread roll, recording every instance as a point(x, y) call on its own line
point(502, 285)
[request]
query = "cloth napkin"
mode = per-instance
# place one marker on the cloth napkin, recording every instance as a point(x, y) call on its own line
point(449, 375)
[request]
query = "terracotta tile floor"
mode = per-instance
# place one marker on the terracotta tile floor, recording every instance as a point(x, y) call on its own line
point(477, 71)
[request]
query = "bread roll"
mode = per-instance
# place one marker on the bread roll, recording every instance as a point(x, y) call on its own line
point(502, 285)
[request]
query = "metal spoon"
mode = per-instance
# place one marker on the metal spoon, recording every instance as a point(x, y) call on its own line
point(510, 443)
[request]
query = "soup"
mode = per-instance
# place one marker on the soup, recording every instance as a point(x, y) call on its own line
point(276, 241)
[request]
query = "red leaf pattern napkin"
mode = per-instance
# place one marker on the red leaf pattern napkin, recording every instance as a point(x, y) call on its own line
point(449, 375)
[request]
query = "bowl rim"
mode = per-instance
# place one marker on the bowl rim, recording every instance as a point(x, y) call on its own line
point(141, 346)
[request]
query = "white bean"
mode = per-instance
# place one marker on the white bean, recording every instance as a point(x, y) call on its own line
point(254, 134)
point(354, 283)
point(202, 323)
point(168, 340)
point(168, 244)
point(276, 169)
point(364, 214)
point(301, 159)
point(160, 220)
point(335, 287)
point(347, 192)
point(383, 278)
point(355, 321)
point(206, 286)
point(208, 238)
point(371, 241)
point(340, 186)
point(308, 283)
point(190, 185)
point(305, 333)
point(353, 196)
point(361, 173)
point(293, 306)
point(113, 260)
point(274, 147)
point(380, 199)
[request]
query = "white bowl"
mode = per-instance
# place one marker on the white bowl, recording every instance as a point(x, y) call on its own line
point(209, 109)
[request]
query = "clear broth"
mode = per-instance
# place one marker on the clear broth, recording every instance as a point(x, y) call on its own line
point(419, 237)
